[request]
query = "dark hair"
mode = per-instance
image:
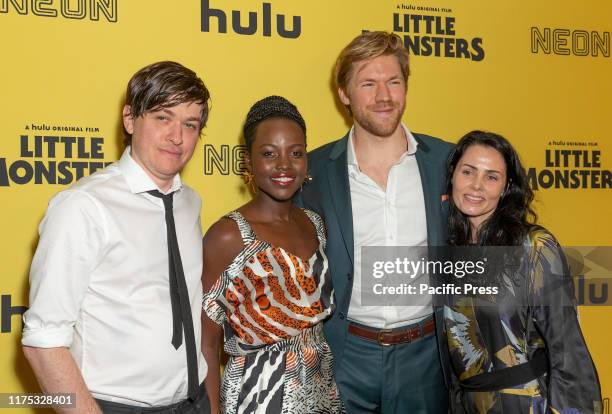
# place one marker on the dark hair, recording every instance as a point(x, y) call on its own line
point(163, 85)
point(270, 107)
point(513, 218)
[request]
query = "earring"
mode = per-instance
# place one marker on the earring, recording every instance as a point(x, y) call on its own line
point(247, 176)
point(307, 179)
point(249, 179)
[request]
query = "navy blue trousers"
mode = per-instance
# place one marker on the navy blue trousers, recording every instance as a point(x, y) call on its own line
point(405, 378)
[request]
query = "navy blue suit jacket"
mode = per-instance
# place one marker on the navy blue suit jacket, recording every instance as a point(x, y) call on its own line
point(329, 195)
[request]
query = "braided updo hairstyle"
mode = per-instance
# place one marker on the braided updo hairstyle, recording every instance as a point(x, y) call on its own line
point(266, 108)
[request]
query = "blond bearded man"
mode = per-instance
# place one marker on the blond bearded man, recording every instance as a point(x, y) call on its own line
point(380, 185)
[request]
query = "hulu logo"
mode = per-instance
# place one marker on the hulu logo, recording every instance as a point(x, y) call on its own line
point(256, 23)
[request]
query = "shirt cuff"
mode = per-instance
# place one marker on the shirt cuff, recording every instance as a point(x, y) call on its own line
point(47, 337)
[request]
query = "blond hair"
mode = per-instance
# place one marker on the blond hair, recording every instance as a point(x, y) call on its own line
point(366, 46)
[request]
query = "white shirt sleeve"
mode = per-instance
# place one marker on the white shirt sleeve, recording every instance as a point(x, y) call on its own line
point(72, 236)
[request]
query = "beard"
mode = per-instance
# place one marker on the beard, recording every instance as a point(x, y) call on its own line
point(377, 125)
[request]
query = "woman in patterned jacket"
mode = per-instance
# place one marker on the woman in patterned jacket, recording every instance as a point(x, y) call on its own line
point(266, 282)
point(520, 351)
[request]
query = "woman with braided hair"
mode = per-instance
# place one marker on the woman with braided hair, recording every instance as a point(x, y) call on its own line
point(266, 282)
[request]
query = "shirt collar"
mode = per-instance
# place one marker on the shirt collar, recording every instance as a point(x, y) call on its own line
point(351, 157)
point(137, 179)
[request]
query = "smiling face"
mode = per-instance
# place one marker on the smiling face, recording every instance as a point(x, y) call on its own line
point(376, 94)
point(478, 181)
point(163, 140)
point(278, 158)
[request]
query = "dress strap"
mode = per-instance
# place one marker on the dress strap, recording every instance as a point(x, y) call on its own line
point(317, 221)
point(246, 232)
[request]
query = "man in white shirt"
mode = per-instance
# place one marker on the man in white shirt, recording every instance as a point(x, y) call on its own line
point(115, 283)
point(380, 185)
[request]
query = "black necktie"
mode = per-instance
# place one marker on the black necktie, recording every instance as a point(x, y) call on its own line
point(179, 299)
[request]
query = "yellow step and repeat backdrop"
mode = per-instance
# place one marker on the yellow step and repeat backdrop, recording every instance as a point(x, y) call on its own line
point(539, 73)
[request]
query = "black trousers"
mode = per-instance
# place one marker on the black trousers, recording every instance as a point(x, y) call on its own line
point(200, 406)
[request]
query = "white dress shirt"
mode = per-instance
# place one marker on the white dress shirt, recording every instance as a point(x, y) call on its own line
point(99, 284)
point(395, 217)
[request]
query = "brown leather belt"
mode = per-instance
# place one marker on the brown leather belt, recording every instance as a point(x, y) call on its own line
point(394, 336)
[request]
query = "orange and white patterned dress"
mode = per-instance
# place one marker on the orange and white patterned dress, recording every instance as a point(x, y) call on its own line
point(271, 304)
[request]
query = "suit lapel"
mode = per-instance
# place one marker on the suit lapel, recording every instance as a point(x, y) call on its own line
point(339, 188)
point(340, 191)
point(431, 193)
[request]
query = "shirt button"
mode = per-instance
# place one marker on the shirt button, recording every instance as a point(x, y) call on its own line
point(341, 314)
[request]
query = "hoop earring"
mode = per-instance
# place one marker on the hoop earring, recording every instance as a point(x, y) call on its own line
point(249, 179)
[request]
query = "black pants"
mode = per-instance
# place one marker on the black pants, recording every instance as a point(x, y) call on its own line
point(200, 406)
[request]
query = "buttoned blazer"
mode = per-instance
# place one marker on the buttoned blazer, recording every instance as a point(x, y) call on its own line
point(329, 195)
